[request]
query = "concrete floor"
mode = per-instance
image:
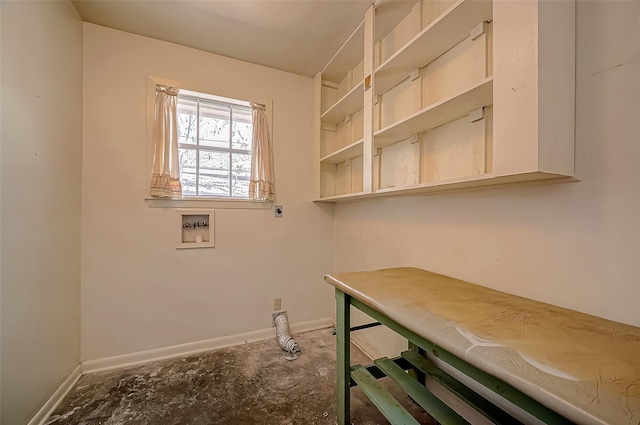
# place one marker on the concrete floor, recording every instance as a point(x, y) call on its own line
point(248, 384)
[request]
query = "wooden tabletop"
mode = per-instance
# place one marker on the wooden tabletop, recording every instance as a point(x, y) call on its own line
point(584, 367)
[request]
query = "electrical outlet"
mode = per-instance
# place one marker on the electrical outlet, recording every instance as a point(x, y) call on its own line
point(278, 211)
point(277, 304)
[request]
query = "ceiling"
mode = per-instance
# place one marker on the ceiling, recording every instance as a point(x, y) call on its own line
point(298, 36)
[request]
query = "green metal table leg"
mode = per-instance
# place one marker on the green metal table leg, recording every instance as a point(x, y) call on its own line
point(343, 360)
point(416, 373)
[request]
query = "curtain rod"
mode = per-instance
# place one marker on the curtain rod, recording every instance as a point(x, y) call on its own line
point(163, 87)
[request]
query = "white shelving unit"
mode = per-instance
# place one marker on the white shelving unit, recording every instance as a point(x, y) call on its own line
point(345, 59)
point(429, 108)
point(341, 127)
point(456, 106)
point(349, 103)
point(449, 29)
point(388, 14)
point(341, 155)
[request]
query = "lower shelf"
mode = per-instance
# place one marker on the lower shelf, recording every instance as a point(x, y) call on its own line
point(461, 391)
point(384, 401)
point(413, 385)
point(420, 394)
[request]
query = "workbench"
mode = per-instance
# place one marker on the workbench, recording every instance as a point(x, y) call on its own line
point(560, 365)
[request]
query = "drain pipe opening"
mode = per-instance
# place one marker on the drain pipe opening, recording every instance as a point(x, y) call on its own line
point(287, 343)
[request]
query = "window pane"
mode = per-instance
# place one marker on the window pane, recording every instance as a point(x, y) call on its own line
point(187, 121)
point(214, 125)
point(204, 124)
point(242, 128)
point(187, 171)
point(240, 174)
point(214, 173)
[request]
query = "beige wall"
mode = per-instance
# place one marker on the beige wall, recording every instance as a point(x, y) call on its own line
point(138, 291)
point(576, 245)
point(40, 174)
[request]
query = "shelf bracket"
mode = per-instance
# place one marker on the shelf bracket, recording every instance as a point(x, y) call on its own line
point(478, 30)
point(415, 138)
point(328, 127)
point(329, 84)
point(347, 118)
point(476, 115)
point(415, 74)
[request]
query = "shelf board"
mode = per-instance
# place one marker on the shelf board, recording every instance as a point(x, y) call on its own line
point(452, 184)
point(446, 31)
point(348, 152)
point(436, 114)
point(346, 196)
point(389, 13)
point(348, 104)
point(457, 182)
point(349, 55)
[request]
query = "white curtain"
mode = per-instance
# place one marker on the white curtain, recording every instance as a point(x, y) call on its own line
point(262, 184)
point(165, 180)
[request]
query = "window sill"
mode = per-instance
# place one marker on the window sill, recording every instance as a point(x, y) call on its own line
point(192, 245)
point(218, 203)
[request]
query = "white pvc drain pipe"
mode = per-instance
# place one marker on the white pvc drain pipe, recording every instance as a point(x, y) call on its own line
point(284, 339)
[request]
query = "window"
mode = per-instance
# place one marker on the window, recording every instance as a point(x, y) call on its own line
point(214, 145)
point(206, 150)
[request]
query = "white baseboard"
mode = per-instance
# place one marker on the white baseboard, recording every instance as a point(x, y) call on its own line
point(43, 414)
point(311, 325)
point(364, 346)
point(181, 350)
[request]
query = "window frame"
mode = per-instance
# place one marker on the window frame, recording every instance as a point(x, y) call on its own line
point(222, 202)
point(197, 147)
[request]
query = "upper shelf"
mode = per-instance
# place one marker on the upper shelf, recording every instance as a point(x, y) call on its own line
point(341, 155)
point(446, 31)
point(436, 114)
point(348, 104)
point(351, 52)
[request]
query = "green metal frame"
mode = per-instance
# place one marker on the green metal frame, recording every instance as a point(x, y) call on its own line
point(390, 408)
point(504, 390)
point(343, 356)
point(464, 393)
point(429, 402)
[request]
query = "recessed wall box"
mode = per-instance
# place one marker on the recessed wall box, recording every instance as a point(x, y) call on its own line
point(196, 229)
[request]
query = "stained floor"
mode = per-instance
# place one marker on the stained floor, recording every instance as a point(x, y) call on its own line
point(248, 384)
